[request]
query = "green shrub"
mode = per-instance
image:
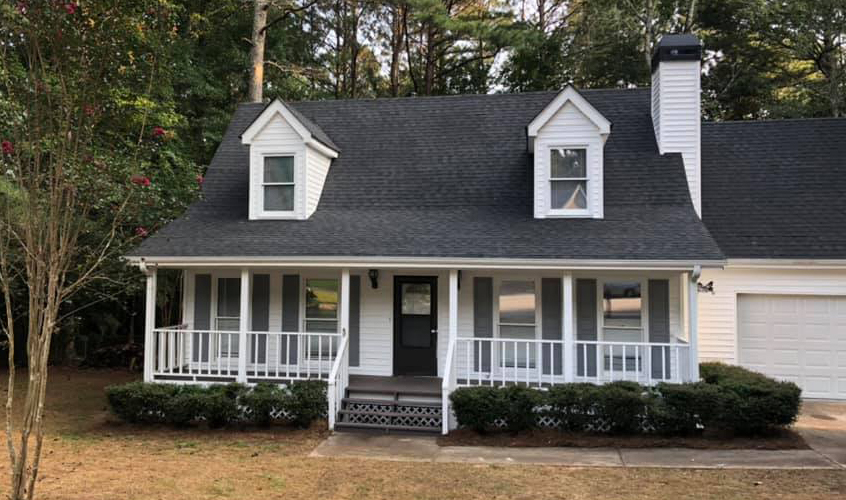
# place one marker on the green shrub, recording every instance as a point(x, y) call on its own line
point(572, 405)
point(478, 407)
point(138, 402)
point(622, 405)
point(186, 406)
point(219, 405)
point(685, 408)
point(262, 401)
point(752, 402)
point(307, 401)
point(519, 405)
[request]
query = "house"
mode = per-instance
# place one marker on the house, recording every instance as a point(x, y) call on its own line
point(401, 248)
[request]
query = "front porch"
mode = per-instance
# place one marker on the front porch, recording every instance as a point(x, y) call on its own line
point(401, 329)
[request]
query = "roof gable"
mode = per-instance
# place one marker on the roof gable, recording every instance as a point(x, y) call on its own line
point(572, 96)
point(310, 133)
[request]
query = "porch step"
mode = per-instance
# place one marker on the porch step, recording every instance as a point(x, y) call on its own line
point(395, 394)
point(388, 414)
point(345, 426)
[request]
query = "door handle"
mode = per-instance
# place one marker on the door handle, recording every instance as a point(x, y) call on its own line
point(434, 331)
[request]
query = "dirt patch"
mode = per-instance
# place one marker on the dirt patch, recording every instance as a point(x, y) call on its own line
point(783, 440)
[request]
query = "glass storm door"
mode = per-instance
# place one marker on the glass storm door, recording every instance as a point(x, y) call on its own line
point(415, 325)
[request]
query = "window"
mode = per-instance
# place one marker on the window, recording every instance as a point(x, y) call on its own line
point(228, 314)
point(622, 306)
point(517, 321)
point(278, 183)
point(568, 179)
point(321, 316)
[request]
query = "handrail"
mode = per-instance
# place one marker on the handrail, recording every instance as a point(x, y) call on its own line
point(447, 385)
point(335, 389)
point(249, 332)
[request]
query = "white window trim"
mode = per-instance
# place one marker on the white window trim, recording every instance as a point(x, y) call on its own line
point(644, 305)
point(216, 276)
point(282, 214)
point(497, 282)
point(569, 212)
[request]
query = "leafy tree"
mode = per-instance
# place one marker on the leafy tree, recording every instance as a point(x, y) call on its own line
point(89, 132)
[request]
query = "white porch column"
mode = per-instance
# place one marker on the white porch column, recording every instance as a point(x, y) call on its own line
point(693, 326)
point(345, 301)
point(149, 323)
point(569, 361)
point(243, 325)
point(453, 304)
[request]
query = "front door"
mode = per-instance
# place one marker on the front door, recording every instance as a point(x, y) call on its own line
point(415, 325)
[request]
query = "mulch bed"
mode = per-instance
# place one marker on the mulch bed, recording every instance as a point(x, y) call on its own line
point(782, 440)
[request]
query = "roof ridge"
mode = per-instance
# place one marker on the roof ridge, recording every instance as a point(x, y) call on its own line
point(451, 96)
point(778, 120)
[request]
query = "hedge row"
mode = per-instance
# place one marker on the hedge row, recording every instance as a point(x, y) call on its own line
point(728, 398)
point(219, 405)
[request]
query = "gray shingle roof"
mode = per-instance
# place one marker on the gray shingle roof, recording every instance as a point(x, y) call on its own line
point(776, 189)
point(448, 177)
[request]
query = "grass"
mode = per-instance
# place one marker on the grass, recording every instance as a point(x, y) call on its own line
point(89, 455)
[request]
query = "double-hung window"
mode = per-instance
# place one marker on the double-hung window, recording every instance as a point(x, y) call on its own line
point(321, 316)
point(277, 183)
point(228, 314)
point(517, 302)
point(568, 179)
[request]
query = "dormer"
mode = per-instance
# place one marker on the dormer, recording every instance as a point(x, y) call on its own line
point(289, 160)
point(567, 140)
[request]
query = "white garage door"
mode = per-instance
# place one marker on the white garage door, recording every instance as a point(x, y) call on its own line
point(797, 338)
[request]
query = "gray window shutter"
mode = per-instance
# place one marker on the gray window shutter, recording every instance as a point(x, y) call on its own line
point(482, 322)
point(202, 316)
point(260, 316)
point(290, 316)
point(552, 327)
point(355, 320)
point(586, 326)
point(659, 325)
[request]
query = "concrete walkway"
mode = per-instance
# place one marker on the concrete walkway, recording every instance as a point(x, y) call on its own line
point(823, 425)
point(425, 449)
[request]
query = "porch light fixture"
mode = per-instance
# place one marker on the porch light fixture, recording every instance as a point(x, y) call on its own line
point(373, 274)
point(706, 288)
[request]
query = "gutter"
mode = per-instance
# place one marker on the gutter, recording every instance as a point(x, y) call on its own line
point(423, 263)
point(786, 264)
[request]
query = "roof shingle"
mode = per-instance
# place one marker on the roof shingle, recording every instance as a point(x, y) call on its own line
point(448, 177)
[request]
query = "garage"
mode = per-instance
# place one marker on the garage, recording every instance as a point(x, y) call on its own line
point(797, 338)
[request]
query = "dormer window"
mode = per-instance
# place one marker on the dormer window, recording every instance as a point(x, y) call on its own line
point(278, 184)
point(290, 158)
point(567, 141)
point(568, 179)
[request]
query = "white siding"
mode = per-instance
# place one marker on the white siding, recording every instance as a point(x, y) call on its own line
point(317, 167)
point(277, 138)
point(676, 117)
point(569, 127)
point(718, 312)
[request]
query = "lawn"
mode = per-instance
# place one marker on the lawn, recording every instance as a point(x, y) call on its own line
point(89, 455)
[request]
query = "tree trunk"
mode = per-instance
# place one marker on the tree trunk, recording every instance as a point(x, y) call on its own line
point(397, 35)
point(257, 50)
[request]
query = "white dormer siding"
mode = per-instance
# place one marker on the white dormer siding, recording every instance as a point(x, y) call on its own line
point(277, 133)
point(317, 168)
point(676, 109)
point(569, 122)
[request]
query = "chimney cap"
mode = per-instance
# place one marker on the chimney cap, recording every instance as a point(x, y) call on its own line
point(681, 47)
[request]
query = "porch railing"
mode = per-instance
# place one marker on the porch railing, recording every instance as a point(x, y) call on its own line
point(538, 363)
point(192, 355)
point(643, 362)
point(339, 379)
